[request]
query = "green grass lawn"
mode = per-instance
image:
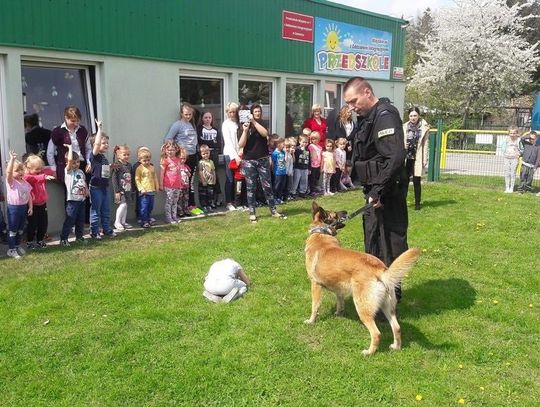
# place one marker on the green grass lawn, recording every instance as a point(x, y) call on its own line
point(123, 322)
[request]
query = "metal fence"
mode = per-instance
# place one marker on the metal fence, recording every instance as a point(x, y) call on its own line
point(470, 157)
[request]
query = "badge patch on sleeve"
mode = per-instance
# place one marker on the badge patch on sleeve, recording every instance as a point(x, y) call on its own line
point(385, 132)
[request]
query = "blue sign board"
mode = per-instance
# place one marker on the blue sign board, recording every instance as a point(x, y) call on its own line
point(535, 122)
point(351, 50)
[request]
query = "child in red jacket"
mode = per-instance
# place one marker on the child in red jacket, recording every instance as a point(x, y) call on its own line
point(240, 198)
point(36, 175)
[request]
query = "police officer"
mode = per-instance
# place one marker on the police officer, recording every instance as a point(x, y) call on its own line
point(379, 160)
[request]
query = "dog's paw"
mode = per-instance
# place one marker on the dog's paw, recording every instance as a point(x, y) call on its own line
point(309, 321)
point(366, 352)
point(339, 313)
point(394, 347)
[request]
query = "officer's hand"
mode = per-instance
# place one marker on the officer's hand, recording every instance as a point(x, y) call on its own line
point(376, 202)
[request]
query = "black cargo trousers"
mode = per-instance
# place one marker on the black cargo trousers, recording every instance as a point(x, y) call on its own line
point(385, 228)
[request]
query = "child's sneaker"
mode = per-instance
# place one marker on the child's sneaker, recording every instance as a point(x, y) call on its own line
point(31, 245)
point(96, 236)
point(253, 218)
point(230, 207)
point(13, 253)
point(276, 214)
point(41, 245)
point(127, 226)
point(81, 240)
point(231, 295)
point(20, 250)
point(64, 243)
point(146, 225)
point(119, 226)
point(111, 233)
point(211, 297)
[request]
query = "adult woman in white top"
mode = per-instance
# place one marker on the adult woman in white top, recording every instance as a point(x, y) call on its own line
point(416, 132)
point(229, 130)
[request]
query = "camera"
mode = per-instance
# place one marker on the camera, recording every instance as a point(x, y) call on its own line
point(244, 116)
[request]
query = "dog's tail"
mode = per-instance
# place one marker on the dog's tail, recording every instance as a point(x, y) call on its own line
point(400, 266)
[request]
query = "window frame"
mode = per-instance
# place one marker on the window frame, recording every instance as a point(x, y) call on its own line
point(3, 114)
point(294, 81)
point(273, 104)
point(341, 101)
point(69, 65)
point(187, 74)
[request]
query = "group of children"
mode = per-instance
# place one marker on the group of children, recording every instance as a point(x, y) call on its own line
point(297, 167)
point(302, 166)
point(27, 193)
point(527, 148)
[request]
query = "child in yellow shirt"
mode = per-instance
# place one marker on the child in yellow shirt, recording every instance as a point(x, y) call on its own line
point(147, 184)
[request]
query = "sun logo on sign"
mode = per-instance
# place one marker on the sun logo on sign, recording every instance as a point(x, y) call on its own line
point(332, 37)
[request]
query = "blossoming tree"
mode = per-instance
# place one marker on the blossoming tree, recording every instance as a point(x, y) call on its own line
point(477, 56)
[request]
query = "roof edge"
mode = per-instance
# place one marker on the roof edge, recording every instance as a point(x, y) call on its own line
point(359, 10)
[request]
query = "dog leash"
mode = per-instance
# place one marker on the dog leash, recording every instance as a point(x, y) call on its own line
point(352, 215)
point(359, 211)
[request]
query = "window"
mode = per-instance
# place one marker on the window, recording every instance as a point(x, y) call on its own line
point(332, 97)
point(299, 99)
point(48, 90)
point(206, 95)
point(3, 141)
point(250, 92)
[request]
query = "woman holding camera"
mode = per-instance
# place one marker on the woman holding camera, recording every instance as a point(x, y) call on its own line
point(256, 164)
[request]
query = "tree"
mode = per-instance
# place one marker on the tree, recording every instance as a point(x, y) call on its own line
point(418, 31)
point(477, 57)
point(531, 11)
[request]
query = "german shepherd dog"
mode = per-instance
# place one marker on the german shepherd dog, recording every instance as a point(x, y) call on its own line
point(348, 272)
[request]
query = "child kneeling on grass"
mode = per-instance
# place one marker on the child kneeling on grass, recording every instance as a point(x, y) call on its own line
point(225, 282)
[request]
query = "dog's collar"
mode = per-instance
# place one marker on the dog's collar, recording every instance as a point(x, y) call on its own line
point(324, 230)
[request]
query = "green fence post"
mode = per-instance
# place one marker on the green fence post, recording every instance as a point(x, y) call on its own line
point(431, 159)
point(439, 138)
point(434, 167)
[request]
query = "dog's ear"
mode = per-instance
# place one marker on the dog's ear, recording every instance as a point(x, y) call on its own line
point(314, 209)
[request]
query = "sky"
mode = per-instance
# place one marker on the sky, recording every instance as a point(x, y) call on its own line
point(397, 8)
